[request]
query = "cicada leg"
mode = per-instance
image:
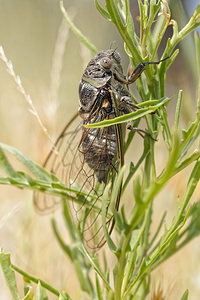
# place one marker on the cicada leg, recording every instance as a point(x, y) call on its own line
point(129, 106)
point(134, 74)
point(141, 132)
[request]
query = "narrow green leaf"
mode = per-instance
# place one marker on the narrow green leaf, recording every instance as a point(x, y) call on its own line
point(68, 219)
point(130, 174)
point(178, 110)
point(194, 156)
point(136, 234)
point(102, 11)
point(9, 274)
point(5, 165)
point(35, 169)
point(127, 13)
point(185, 295)
point(137, 190)
point(36, 280)
point(77, 32)
point(192, 183)
point(94, 264)
point(4, 180)
point(153, 10)
point(29, 296)
point(189, 137)
point(115, 15)
point(98, 288)
point(124, 217)
point(65, 247)
point(197, 46)
point(131, 116)
point(188, 133)
point(193, 227)
point(173, 231)
point(116, 187)
point(40, 293)
point(143, 266)
point(83, 279)
point(122, 119)
point(157, 103)
point(116, 19)
point(158, 229)
point(164, 66)
point(64, 296)
point(105, 198)
point(48, 187)
point(28, 289)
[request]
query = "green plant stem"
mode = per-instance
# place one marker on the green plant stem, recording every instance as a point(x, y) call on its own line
point(121, 263)
point(192, 183)
point(36, 280)
point(157, 231)
point(189, 27)
point(139, 162)
point(132, 256)
point(122, 29)
point(158, 33)
point(150, 194)
point(141, 21)
point(63, 246)
point(152, 13)
point(187, 162)
point(77, 32)
point(178, 110)
point(95, 266)
point(157, 253)
point(176, 226)
point(166, 126)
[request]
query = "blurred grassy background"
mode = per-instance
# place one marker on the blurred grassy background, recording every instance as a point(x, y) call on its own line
point(29, 35)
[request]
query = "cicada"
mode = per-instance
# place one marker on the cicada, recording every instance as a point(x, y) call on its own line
point(87, 159)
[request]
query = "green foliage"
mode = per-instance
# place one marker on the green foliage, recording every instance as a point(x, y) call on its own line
point(149, 107)
point(136, 253)
point(9, 274)
point(185, 295)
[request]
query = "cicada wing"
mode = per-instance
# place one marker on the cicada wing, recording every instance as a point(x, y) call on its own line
point(85, 160)
point(99, 166)
point(58, 162)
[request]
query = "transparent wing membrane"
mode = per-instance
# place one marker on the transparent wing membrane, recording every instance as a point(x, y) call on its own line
point(84, 160)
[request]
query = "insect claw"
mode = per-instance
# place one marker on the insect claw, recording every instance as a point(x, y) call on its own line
point(141, 132)
point(126, 101)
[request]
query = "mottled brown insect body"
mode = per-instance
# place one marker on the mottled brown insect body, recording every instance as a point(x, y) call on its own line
point(102, 80)
point(84, 157)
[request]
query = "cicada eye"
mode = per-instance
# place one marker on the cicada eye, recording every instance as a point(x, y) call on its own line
point(106, 63)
